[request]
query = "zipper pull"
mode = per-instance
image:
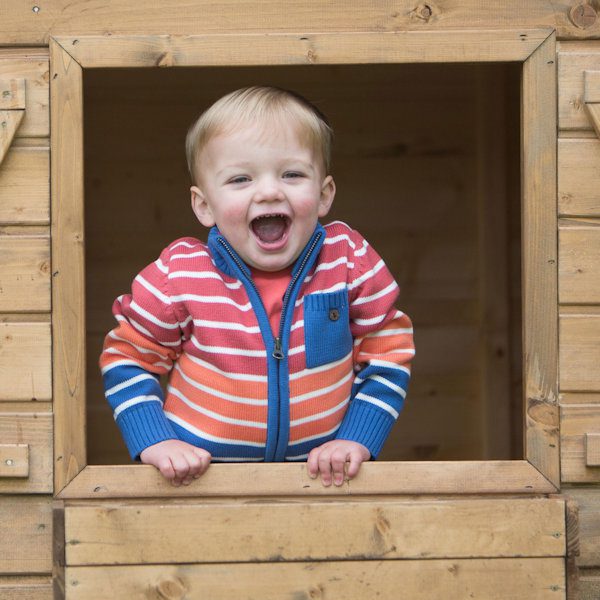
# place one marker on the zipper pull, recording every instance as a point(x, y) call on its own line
point(277, 351)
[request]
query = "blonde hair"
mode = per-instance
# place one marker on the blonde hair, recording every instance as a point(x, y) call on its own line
point(259, 103)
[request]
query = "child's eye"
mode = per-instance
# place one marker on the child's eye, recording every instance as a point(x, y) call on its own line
point(293, 174)
point(239, 179)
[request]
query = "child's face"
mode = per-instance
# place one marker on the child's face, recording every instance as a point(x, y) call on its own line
point(264, 189)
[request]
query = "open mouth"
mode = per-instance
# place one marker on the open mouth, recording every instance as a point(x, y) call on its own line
point(270, 229)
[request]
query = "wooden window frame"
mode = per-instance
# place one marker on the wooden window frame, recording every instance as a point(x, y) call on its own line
point(538, 473)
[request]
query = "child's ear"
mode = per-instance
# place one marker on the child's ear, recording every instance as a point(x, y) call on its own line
point(327, 195)
point(201, 207)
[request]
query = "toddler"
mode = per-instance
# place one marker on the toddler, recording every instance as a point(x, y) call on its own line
point(279, 335)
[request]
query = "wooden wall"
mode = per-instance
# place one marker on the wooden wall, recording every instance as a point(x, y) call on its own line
point(579, 293)
point(425, 170)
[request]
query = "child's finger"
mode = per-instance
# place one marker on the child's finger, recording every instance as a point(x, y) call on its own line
point(338, 462)
point(356, 460)
point(325, 467)
point(312, 463)
point(180, 466)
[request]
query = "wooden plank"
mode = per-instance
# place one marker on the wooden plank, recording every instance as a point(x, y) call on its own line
point(25, 362)
point(25, 534)
point(593, 111)
point(34, 430)
point(573, 60)
point(592, 449)
point(32, 65)
point(579, 177)
point(540, 293)
point(578, 421)
point(306, 48)
point(14, 460)
point(440, 477)
point(26, 588)
point(12, 93)
point(579, 262)
point(10, 120)
point(588, 501)
point(517, 579)
point(174, 532)
point(68, 289)
point(25, 186)
point(22, 26)
point(591, 84)
point(589, 584)
point(579, 352)
point(24, 273)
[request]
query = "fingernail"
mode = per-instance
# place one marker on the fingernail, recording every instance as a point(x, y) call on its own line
point(312, 475)
point(339, 481)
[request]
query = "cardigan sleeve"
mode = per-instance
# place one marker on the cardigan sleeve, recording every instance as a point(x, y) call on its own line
point(142, 347)
point(383, 351)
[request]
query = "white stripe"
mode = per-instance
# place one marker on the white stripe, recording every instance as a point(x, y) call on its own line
point(184, 244)
point(314, 437)
point(219, 394)
point(386, 332)
point(205, 275)
point(190, 255)
point(161, 266)
point(372, 321)
point(297, 457)
point(211, 300)
point(238, 376)
point(363, 250)
point(337, 238)
point(296, 350)
point(214, 415)
point(143, 330)
point(332, 265)
point(384, 292)
point(409, 351)
point(390, 365)
point(141, 350)
point(132, 402)
point(226, 325)
point(385, 382)
point(333, 288)
point(321, 391)
point(127, 383)
point(202, 434)
point(320, 415)
point(166, 366)
point(150, 317)
point(377, 402)
point(228, 351)
point(117, 363)
point(367, 275)
point(306, 372)
point(154, 291)
point(297, 325)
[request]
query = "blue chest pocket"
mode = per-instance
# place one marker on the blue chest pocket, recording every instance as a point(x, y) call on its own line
point(327, 336)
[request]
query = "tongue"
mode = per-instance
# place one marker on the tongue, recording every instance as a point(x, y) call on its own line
point(269, 229)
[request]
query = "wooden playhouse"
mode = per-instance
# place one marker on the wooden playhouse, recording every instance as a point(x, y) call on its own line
point(467, 151)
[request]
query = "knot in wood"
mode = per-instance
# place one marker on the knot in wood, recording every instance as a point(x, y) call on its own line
point(171, 589)
point(422, 12)
point(583, 15)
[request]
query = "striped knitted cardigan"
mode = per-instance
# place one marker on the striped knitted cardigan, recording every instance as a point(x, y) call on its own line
point(338, 368)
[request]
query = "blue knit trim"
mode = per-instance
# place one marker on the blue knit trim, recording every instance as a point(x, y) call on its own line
point(144, 425)
point(366, 424)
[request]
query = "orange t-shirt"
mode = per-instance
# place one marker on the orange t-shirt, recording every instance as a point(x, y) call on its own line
point(271, 287)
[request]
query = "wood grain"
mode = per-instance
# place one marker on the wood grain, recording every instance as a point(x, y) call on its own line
point(588, 501)
point(14, 460)
point(25, 186)
point(25, 362)
point(439, 477)
point(24, 273)
point(577, 422)
point(131, 533)
point(579, 177)
point(34, 430)
point(579, 354)
point(26, 588)
point(68, 289)
point(517, 579)
point(25, 534)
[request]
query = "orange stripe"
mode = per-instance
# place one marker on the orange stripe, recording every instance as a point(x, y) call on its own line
point(317, 427)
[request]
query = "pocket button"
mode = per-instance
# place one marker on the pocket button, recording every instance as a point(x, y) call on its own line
point(334, 314)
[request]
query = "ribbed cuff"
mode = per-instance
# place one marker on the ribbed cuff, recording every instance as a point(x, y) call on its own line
point(144, 425)
point(366, 424)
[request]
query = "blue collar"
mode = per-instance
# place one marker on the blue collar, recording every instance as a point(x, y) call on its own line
point(229, 262)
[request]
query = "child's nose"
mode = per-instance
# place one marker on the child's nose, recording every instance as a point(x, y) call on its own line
point(268, 190)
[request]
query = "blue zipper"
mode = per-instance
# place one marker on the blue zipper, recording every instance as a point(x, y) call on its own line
point(277, 353)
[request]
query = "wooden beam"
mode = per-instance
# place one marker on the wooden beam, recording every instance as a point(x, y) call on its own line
point(310, 48)
point(539, 247)
point(68, 289)
point(461, 477)
point(9, 123)
point(14, 460)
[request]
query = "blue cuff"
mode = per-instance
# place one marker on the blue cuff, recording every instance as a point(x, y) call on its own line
point(143, 425)
point(366, 424)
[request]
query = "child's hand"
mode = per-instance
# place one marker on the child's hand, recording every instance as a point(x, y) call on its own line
point(333, 456)
point(178, 461)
